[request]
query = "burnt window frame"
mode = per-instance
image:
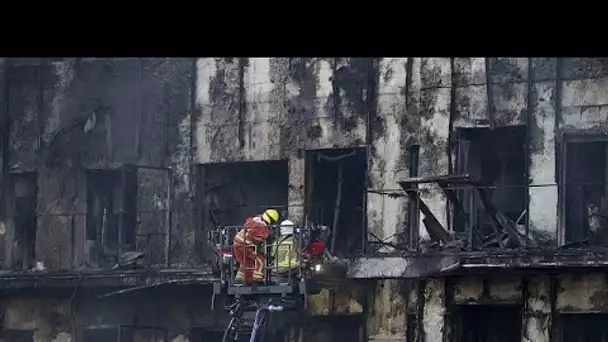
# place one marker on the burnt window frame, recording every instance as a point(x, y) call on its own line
point(567, 138)
point(126, 221)
point(14, 177)
point(458, 312)
point(309, 165)
point(561, 322)
point(462, 147)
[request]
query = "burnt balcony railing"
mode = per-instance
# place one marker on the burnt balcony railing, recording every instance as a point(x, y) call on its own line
point(457, 213)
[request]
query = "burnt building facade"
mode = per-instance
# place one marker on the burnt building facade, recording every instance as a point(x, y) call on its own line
point(101, 157)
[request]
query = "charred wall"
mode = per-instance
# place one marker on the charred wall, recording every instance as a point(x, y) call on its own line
point(172, 316)
point(281, 106)
point(70, 115)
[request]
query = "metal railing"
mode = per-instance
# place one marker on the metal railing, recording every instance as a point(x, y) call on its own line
point(298, 245)
point(442, 214)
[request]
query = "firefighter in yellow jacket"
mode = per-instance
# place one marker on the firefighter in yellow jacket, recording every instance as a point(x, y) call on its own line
point(284, 251)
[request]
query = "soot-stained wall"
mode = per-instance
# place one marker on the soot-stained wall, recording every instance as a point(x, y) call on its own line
point(277, 107)
point(65, 317)
point(71, 114)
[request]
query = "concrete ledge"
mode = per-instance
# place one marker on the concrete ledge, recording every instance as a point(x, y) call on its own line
point(398, 267)
point(106, 278)
point(420, 266)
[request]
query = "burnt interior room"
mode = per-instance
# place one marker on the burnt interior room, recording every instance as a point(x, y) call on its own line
point(232, 192)
point(582, 327)
point(335, 195)
point(586, 186)
point(497, 159)
point(111, 211)
point(25, 195)
point(486, 323)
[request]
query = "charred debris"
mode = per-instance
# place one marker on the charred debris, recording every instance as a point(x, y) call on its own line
point(487, 199)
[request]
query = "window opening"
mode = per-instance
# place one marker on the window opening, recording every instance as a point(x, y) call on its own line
point(25, 195)
point(586, 209)
point(487, 323)
point(111, 209)
point(235, 191)
point(497, 159)
point(335, 195)
point(583, 327)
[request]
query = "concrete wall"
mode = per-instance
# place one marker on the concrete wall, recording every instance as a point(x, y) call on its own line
point(279, 106)
point(73, 114)
point(60, 317)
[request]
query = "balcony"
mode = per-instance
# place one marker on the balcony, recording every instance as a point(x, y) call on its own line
point(458, 224)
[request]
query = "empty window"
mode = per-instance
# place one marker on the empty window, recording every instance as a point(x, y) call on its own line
point(234, 191)
point(497, 159)
point(585, 192)
point(111, 208)
point(586, 327)
point(336, 194)
point(487, 323)
point(25, 195)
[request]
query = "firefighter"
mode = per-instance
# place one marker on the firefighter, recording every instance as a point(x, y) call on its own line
point(284, 251)
point(249, 246)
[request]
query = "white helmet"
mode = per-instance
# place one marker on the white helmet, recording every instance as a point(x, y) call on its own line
point(287, 228)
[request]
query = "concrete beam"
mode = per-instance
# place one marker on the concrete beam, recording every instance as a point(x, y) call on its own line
point(100, 279)
point(441, 264)
point(398, 267)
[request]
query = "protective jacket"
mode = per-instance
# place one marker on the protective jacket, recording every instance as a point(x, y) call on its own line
point(249, 249)
point(285, 254)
